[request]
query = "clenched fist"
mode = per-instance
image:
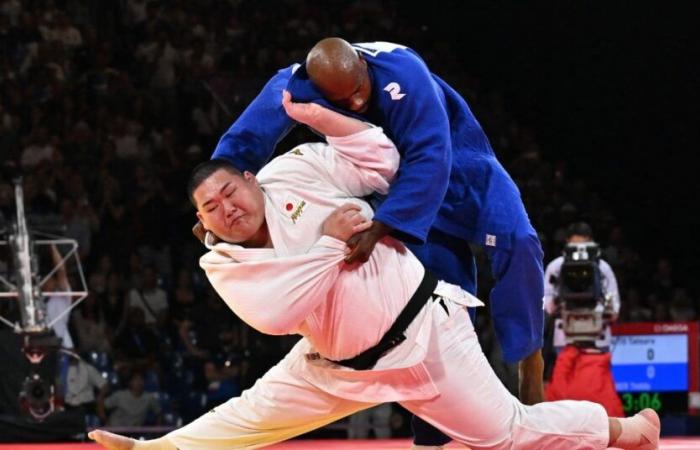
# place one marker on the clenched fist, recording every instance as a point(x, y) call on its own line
point(362, 244)
point(345, 221)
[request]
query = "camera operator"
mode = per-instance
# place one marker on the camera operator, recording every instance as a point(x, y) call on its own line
point(581, 293)
point(580, 233)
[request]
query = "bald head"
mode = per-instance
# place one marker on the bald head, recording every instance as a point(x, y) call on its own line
point(331, 58)
point(337, 70)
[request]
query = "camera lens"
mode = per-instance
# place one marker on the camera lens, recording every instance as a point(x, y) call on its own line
point(38, 391)
point(36, 397)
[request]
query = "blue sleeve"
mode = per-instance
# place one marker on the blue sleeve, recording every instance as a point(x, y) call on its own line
point(419, 126)
point(252, 138)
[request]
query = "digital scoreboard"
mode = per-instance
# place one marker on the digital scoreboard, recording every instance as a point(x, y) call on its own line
point(655, 365)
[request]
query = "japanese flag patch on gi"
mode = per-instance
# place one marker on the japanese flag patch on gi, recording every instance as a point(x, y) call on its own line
point(293, 208)
point(490, 240)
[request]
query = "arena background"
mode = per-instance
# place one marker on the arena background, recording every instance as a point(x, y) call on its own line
point(592, 107)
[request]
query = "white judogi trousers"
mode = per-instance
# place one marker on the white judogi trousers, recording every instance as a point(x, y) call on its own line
point(473, 407)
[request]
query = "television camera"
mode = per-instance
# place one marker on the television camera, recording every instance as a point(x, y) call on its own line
point(586, 310)
point(23, 281)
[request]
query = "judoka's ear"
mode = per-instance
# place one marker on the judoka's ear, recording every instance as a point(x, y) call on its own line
point(250, 177)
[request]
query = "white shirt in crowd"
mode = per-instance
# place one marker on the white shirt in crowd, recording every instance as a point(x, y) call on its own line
point(130, 410)
point(82, 380)
point(55, 306)
point(156, 299)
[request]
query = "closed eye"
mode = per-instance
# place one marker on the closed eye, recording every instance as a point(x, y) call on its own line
point(212, 208)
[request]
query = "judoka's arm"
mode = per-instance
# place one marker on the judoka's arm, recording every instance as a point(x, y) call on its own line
point(61, 274)
point(361, 159)
point(252, 138)
point(420, 125)
point(325, 121)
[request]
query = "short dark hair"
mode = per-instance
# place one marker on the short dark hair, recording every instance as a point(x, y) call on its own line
point(579, 229)
point(204, 170)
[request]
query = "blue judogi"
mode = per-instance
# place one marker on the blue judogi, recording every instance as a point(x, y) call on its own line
point(450, 189)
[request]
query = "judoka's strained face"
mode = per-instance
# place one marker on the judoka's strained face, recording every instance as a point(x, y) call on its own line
point(232, 207)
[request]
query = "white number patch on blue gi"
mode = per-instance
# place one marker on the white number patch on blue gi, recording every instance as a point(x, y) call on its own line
point(490, 240)
point(394, 89)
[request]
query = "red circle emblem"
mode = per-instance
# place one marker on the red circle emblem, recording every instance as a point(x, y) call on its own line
point(289, 206)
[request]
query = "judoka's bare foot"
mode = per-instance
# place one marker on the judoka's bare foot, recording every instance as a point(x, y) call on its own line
point(651, 430)
point(111, 441)
point(640, 432)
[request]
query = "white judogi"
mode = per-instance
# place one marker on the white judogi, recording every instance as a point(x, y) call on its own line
point(303, 286)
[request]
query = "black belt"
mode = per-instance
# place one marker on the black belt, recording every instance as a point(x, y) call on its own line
point(368, 358)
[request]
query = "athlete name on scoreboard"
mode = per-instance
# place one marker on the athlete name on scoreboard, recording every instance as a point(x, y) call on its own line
point(652, 362)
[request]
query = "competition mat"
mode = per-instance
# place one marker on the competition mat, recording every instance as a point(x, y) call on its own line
point(302, 444)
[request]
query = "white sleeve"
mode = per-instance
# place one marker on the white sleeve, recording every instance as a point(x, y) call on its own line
point(354, 166)
point(551, 290)
point(276, 295)
point(610, 286)
point(363, 162)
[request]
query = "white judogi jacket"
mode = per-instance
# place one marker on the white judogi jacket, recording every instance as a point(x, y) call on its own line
point(303, 286)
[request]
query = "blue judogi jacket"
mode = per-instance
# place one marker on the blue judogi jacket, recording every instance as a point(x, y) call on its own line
point(449, 177)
